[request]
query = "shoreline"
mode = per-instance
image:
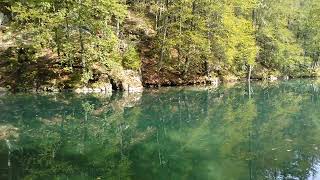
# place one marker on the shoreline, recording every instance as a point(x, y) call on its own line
point(131, 90)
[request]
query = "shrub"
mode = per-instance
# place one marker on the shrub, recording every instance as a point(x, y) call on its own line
point(131, 59)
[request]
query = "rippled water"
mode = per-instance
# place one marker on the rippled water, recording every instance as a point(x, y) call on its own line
point(261, 131)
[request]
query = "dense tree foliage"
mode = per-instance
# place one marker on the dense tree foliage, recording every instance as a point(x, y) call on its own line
point(78, 32)
point(235, 36)
point(193, 37)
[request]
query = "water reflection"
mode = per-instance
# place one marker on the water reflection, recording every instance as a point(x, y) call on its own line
point(261, 131)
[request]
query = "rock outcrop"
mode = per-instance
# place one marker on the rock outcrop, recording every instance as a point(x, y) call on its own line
point(127, 80)
point(103, 88)
point(131, 81)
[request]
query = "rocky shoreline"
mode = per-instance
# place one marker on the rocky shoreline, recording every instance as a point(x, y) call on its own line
point(135, 86)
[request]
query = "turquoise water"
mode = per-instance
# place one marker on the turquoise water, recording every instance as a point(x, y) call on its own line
point(232, 132)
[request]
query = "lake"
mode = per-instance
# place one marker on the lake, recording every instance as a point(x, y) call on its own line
point(265, 130)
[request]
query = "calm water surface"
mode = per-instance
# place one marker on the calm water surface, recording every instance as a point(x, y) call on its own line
point(232, 132)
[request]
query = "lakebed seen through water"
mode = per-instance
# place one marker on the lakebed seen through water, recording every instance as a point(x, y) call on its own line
point(271, 131)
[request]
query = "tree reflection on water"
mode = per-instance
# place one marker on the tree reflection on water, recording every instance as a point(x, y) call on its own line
point(267, 131)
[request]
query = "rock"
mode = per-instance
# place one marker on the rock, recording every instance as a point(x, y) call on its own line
point(126, 80)
point(135, 89)
point(212, 81)
point(104, 88)
point(2, 89)
point(55, 90)
point(285, 78)
point(45, 88)
point(108, 87)
point(52, 89)
point(84, 90)
point(33, 90)
point(78, 90)
point(96, 90)
point(273, 78)
point(42, 88)
point(131, 81)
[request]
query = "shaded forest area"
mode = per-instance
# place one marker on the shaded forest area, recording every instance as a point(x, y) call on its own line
point(69, 44)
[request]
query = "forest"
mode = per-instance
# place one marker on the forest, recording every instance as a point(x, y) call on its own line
point(74, 43)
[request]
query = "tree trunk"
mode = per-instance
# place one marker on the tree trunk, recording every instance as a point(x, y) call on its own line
point(118, 28)
point(162, 44)
point(83, 61)
point(57, 41)
point(249, 73)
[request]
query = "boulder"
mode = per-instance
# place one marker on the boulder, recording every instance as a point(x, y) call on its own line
point(131, 81)
point(126, 80)
point(107, 87)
